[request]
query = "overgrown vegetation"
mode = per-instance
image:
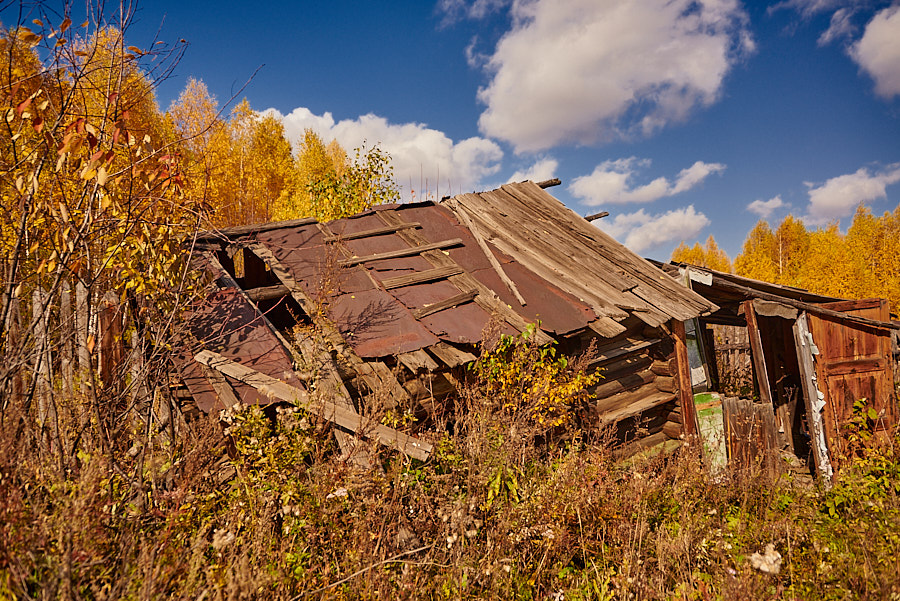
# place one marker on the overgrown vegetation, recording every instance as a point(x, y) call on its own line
point(100, 500)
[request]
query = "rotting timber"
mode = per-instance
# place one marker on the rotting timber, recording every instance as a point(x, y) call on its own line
point(386, 309)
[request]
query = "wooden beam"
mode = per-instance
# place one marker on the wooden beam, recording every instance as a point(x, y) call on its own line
point(549, 183)
point(685, 388)
point(750, 293)
point(482, 244)
point(418, 449)
point(756, 352)
point(378, 231)
point(420, 277)
point(309, 354)
point(453, 301)
point(220, 384)
point(230, 233)
point(403, 252)
point(416, 360)
point(595, 216)
point(450, 355)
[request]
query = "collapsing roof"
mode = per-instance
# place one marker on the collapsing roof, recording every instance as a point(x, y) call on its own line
point(415, 285)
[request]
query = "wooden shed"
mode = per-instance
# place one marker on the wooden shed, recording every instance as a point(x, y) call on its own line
point(813, 358)
point(389, 306)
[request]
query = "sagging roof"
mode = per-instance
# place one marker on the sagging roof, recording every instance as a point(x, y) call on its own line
point(399, 278)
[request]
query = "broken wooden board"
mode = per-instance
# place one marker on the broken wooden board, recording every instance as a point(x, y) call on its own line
point(418, 449)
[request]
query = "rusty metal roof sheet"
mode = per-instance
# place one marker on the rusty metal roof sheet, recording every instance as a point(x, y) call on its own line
point(569, 273)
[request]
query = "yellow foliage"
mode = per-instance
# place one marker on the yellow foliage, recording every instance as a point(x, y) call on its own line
point(709, 256)
point(864, 262)
point(523, 376)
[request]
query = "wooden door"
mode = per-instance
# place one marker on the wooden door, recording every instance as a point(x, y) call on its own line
point(854, 362)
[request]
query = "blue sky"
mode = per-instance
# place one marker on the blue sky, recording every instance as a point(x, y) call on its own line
point(682, 119)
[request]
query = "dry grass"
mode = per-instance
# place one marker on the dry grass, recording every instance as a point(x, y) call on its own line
point(494, 514)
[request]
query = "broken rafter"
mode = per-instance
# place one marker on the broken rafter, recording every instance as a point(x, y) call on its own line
point(332, 412)
point(231, 233)
point(420, 277)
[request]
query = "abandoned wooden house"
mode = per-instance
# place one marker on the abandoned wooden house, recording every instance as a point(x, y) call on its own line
point(813, 358)
point(400, 296)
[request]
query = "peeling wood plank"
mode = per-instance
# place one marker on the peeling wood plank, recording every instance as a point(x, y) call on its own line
point(453, 301)
point(608, 352)
point(333, 336)
point(420, 277)
point(417, 360)
point(378, 231)
point(403, 252)
point(450, 355)
point(332, 412)
point(644, 404)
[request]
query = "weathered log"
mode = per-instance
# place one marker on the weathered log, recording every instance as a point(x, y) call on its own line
point(664, 368)
point(667, 384)
point(672, 429)
point(675, 416)
point(625, 382)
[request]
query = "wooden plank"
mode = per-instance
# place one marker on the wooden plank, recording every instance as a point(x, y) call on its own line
point(220, 384)
point(843, 367)
point(267, 293)
point(685, 389)
point(453, 301)
point(231, 233)
point(330, 411)
point(482, 244)
point(759, 359)
point(420, 277)
point(310, 355)
point(630, 381)
point(450, 355)
point(403, 252)
point(378, 231)
point(814, 423)
point(417, 360)
point(636, 408)
point(608, 352)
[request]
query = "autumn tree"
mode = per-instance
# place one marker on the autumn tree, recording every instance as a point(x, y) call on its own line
point(328, 184)
point(709, 256)
point(92, 212)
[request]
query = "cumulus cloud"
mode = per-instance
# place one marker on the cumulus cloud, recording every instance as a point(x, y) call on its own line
point(425, 160)
point(877, 52)
point(592, 70)
point(641, 231)
point(839, 196)
point(612, 182)
point(765, 208)
point(541, 170)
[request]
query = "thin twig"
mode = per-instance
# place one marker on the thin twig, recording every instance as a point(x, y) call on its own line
point(393, 559)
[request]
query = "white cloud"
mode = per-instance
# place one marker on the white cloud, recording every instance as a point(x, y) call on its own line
point(839, 196)
point(611, 182)
point(455, 10)
point(765, 208)
point(878, 51)
point(840, 27)
point(641, 231)
point(587, 70)
point(425, 160)
point(808, 8)
point(541, 170)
